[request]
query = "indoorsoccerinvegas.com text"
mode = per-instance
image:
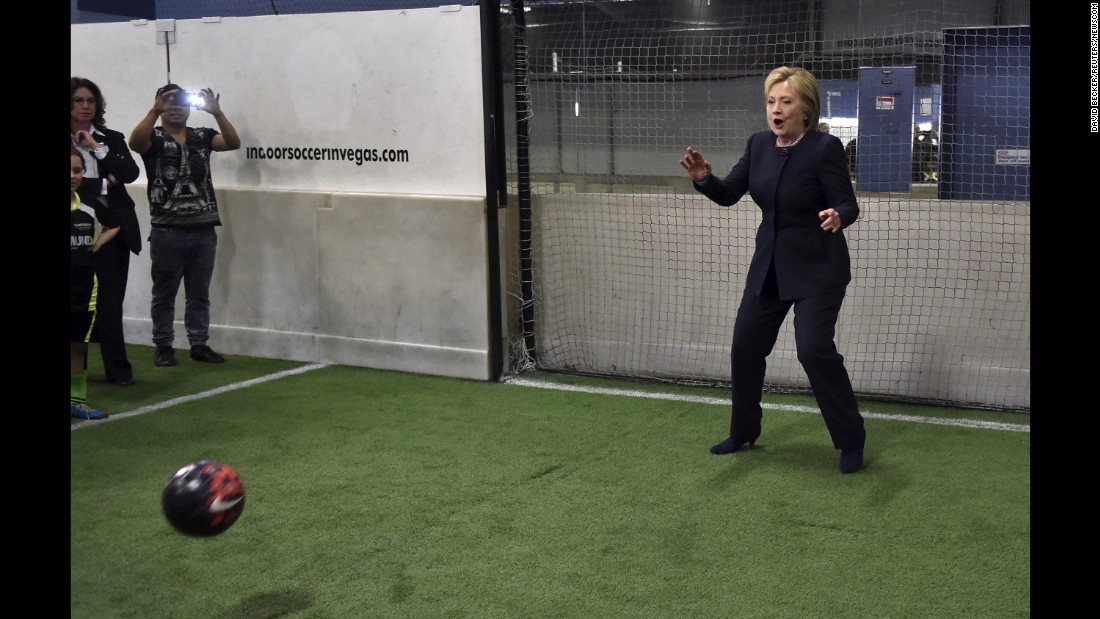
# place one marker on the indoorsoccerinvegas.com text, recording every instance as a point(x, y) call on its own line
point(357, 155)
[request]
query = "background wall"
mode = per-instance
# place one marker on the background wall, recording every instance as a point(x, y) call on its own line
point(947, 317)
point(623, 256)
point(337, 258)
point(342, 83)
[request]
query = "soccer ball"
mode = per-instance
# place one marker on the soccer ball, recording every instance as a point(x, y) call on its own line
point(203, 499)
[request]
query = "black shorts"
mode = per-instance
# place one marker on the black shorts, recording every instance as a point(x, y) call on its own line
point(80, 326)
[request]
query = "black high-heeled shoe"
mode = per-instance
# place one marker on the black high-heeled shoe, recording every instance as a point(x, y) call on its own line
point(729, 446)
point(851, 460)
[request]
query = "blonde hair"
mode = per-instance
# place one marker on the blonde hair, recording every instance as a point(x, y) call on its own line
point(805, 86)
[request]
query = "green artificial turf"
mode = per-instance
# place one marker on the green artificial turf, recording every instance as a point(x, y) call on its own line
point(384, 494)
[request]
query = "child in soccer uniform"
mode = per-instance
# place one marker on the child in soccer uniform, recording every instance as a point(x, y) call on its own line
point(85, 239)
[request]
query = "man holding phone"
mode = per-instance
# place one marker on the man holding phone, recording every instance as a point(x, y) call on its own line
point(183, 213)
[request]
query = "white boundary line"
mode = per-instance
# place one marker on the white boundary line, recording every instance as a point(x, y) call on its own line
point(526, 382)
point(198, 396)
point(966, 423)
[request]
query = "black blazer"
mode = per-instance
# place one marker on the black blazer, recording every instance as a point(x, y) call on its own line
point(120, 162)
point(790, 190)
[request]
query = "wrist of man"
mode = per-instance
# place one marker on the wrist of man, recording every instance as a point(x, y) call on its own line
point(99, 152)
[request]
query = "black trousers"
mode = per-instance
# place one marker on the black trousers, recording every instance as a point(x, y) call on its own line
point(754, 334)
point(112, 267)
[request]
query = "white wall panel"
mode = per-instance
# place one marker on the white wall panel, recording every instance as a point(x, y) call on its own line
point(405, 81)
point(379, 264)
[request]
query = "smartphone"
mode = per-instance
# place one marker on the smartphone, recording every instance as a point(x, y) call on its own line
point(192, 99)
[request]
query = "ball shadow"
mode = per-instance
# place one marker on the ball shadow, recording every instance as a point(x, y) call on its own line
point(269, 605)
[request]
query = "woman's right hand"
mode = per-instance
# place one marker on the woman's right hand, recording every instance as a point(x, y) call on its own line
point(697, 166)
point(85, 139)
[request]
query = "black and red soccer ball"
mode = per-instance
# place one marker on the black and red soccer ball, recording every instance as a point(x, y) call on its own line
point(203, 499)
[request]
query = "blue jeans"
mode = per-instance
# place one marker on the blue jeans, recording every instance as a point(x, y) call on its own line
point(188, 255)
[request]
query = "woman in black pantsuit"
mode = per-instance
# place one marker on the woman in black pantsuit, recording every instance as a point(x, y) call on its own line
point(110, 167)
point(799, 179)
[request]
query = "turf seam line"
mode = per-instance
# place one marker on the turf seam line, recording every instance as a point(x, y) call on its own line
point(966, 423)
point(199, 396)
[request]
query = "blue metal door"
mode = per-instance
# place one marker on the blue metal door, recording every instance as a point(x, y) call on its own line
point(884, 147)
point(986, 133)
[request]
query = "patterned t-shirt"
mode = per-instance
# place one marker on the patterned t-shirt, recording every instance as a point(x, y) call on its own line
point(181, 192)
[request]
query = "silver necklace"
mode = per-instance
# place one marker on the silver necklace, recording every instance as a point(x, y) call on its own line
point(797, 140)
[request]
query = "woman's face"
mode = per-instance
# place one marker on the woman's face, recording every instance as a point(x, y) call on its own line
point(82, 106)
point(784, 109)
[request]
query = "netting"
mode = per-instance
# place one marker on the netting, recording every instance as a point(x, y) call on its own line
point(635, 274)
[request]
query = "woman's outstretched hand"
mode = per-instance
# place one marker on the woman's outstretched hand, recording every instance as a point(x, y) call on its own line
point(696, 165)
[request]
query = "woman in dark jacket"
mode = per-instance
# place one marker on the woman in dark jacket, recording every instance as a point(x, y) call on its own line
point(110, 167)
point(799, 179)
